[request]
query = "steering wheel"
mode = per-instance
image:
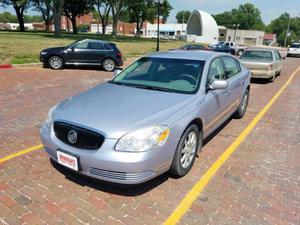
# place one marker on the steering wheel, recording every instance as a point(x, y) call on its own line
point(188, 78)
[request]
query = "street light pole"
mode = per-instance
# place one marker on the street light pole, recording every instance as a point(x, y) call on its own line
point(287, 32)
point(236, 27)
point(159, 2)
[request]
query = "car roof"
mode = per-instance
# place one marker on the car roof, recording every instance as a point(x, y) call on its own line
point(181, 54)
point(96, 40)
point(261, 49)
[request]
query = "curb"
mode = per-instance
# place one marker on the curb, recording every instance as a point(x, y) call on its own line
point(6, 66)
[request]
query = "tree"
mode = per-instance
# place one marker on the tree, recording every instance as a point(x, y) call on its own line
point(103, 9)
point(75, 8)
point(7, 17)
point(183, 16)
point(247, 16)
point(44, 9)
point(19, 6)
point(139, 12)
point(117, 6)
point(280, 26)
point(165, 10)
point(57, 7)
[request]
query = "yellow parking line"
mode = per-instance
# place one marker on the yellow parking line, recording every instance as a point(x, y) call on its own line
point(9, 157)
point(190, 197)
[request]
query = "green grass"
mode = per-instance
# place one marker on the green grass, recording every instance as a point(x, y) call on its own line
point(19, 48)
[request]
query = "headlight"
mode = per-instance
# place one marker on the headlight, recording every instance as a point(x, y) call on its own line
point(144, 139)
point(43, 53)
point(49, 119)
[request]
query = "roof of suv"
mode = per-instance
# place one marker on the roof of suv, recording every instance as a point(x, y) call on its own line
point(181, 54)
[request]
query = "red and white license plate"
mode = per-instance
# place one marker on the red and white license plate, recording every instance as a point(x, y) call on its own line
point(67, 160)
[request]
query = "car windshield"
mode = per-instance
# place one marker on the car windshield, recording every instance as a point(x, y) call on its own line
point(295, 45)
point(258, 56)
point(163, 74)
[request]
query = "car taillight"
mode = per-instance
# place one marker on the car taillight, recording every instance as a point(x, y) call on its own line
point(119, 55)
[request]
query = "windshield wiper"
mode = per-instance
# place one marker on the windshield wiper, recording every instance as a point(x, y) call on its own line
point(153, 88)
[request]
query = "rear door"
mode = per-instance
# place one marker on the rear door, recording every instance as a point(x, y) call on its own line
point(216, 102)
point(235, 81)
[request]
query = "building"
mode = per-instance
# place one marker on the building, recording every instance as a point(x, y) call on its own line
point(270, 39)
point(201, 27)
point(166, 30)
point(245, 37)
point(86, 19)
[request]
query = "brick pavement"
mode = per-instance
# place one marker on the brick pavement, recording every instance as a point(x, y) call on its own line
point(259, 184)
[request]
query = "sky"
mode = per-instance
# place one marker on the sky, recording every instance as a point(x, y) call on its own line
point(270, 9)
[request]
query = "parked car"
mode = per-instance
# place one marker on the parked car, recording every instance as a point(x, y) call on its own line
point(230, 47)
point(191, 47)
point(87, 52)
point(263, 63)
point(294, 50)
point(151, 118)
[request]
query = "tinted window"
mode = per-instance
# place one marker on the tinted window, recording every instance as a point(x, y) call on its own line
point(231, 66)
point(178, 75)
point(107, 47)
point(257, 55)
point(96, 45)
point(81, 45)
point(295, 45)
point(216, 71)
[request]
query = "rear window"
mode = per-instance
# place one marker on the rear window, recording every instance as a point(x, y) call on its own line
point(295, 45)
point(257, 55)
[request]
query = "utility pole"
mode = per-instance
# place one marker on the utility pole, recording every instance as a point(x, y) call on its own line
point(287, 32)
point(159, 2)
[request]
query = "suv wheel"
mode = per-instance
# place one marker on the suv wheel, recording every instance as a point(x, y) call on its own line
point(186, 151)
point(239, 114)
point(55, 62)
point(109, 65)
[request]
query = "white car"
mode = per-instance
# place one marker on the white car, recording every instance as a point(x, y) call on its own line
point(294, 50)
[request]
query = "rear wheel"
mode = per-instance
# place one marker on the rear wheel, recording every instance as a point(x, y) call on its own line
point(243, 106)
point(186, 151)
point(55, 62)
point(109, 65)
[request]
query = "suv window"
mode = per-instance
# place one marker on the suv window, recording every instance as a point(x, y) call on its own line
point(107, 47)
point(216, 71)
point(96, 45)
point(231, 67)
point(81, 45)
point(277, 55)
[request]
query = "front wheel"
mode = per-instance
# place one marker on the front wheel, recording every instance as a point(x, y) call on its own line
point(186, 151)
point(109, 65)
point(55, 62)
point(239, 114)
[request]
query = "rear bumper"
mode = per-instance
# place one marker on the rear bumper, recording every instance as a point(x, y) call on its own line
point(262, 74)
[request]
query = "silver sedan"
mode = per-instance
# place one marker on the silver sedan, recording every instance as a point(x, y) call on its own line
point(150, 119)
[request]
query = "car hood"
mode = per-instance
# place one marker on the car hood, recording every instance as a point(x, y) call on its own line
point(56, 49)
point(114, 110)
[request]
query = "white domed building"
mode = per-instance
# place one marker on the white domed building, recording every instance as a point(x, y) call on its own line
point(201, 28)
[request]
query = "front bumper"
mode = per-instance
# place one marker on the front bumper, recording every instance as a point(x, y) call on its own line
point(108, 164)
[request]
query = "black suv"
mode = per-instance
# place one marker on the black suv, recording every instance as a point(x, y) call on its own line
point(83, 52)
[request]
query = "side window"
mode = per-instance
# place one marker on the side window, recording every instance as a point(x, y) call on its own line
point(96, 46)
point(277, 55)
point(216, 71)
point(107, 47)
point(81, 45)
point(231, 67)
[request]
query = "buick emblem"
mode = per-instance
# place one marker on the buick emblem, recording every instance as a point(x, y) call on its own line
point(72, 136)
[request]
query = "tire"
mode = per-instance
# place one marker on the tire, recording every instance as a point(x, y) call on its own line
point(183, 162)
point(55, 62)
point(240, 52)
point(240, 112)
point(109, 65)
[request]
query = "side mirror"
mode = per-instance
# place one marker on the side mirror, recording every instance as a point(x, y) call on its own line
point(117, 72)
point(218, 85)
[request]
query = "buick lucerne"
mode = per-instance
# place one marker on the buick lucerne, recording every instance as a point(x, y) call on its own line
point(150, 118)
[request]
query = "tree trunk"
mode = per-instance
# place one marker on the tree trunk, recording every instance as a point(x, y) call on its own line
point(138, 30)
point(19, 12)
point(57, 28)
point(47, 24)
point(103, 27)
point(115, 27)
point(73, 21)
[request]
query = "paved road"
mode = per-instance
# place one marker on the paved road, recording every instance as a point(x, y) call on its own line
point(258, 184)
